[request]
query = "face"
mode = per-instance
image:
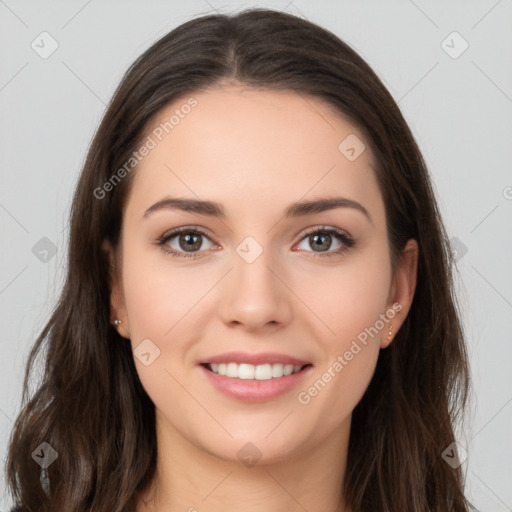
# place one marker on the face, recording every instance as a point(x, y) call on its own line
point(308, 290)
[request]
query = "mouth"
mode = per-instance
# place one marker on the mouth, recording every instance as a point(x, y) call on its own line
point(260, 372)
point(254, 383)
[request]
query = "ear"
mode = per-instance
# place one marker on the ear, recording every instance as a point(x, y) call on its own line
point(117, 303)
point(402, 289)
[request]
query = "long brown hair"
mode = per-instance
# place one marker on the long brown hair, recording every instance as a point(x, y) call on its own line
point(90, 406)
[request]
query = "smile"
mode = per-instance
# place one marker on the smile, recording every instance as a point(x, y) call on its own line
point(252, 372)
point(254, 383)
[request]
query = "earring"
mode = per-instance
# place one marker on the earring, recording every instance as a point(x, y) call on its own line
point(116, 322)
point(390, 333)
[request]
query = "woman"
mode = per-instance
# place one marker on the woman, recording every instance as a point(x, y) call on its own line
point(258, 312)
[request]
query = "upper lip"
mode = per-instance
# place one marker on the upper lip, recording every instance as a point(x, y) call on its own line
point(254, 359)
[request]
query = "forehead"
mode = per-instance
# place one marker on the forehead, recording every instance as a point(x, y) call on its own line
point(253, 147)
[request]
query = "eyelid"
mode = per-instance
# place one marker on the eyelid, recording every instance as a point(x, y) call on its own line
point(185, 229)
point(322, 229)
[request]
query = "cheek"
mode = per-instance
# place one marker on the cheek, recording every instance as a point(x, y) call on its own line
point(348, 298)
point(158, 292)
point(160, 298)
point(353, 303)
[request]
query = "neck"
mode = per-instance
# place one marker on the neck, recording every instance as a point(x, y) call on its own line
point(190, 479)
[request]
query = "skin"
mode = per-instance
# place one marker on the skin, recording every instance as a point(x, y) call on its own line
point(255, 152)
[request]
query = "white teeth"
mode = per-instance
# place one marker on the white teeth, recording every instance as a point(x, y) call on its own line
point(288, 369)
point(244, 371)
point(263, 372)
point(251, 372)
point(231, 370)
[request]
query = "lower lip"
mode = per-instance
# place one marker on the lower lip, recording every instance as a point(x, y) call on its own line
point(249, 390)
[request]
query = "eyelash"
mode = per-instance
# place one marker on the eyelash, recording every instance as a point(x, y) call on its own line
point(343, 237)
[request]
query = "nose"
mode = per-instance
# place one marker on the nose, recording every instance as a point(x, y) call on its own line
point(256, 295)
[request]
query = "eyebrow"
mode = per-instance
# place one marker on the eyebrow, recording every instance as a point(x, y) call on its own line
point(214, 209)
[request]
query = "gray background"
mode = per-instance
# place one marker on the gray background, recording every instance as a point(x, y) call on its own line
point(459, 107)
